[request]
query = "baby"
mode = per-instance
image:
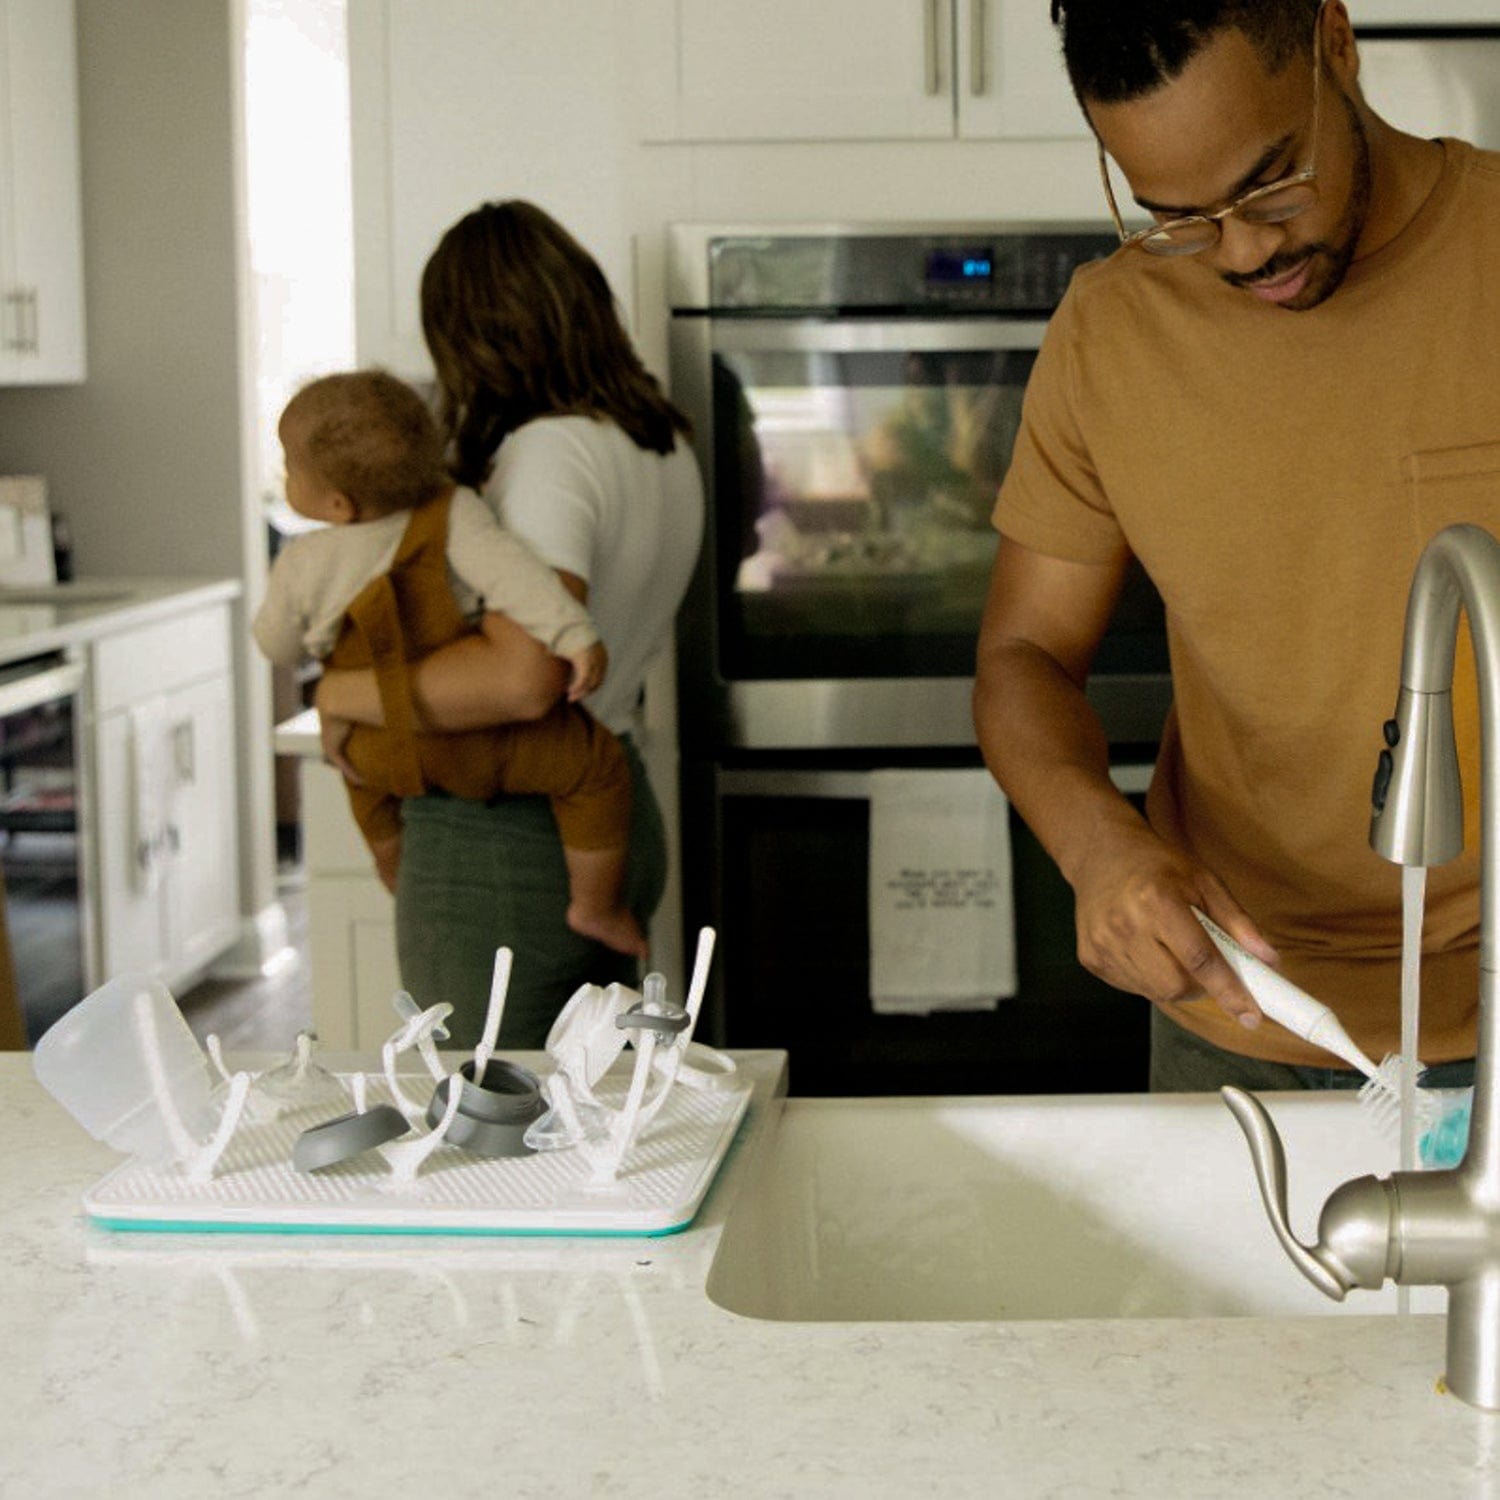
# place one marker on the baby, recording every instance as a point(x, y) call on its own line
point(406, 563)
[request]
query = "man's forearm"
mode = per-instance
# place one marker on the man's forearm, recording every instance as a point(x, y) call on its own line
point(1047, 749)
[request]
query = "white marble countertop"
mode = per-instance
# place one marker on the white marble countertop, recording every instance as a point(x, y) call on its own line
point(73, 613)
point(299, 736)
point(255, 1366)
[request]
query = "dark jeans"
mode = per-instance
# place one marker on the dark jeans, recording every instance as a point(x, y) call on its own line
point(1182, 1063)
point(477, 876)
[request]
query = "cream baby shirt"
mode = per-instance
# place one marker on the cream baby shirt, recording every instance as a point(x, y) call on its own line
point(318, 575)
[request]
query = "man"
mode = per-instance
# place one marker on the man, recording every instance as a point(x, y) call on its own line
point(1273, 395)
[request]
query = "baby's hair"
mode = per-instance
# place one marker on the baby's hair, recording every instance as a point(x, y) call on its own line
point(371, 437)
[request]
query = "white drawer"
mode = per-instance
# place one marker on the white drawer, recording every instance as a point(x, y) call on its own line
point(137, 664)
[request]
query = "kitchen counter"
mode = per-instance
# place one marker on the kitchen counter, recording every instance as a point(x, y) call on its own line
point(298, 736)
point(35, 620)
point(191, 1366)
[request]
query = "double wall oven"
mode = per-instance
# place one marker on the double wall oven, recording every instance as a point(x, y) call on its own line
point(855, 393)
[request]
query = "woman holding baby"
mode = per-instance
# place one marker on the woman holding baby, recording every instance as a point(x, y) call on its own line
point(551, 417)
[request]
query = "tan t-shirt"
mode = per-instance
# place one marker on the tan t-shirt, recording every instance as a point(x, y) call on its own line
point(1278, 474)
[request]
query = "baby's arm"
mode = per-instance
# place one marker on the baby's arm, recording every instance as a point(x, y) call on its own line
point(514, 581)
point(588, 669)
point(281, 620)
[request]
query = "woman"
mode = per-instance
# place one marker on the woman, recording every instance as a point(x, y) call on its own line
point(551, 416)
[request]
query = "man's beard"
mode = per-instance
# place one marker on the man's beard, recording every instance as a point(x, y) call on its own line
point(1337, 252)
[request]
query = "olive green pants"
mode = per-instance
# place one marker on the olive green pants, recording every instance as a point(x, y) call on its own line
point(478, 876)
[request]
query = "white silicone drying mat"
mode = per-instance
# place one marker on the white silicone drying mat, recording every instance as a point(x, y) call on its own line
point(255, 1187)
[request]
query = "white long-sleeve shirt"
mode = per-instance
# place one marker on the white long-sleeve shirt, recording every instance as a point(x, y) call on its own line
point(627, 521)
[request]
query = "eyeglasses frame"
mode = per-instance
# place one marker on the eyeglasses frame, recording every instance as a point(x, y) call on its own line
point(1234, 208)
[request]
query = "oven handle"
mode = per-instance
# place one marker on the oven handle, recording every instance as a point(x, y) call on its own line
point(878, 336)
point(37, 688)
point(854, 786)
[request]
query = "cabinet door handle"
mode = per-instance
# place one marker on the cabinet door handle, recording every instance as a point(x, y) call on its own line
point(184, 751)
point(15, 321)
point(930, 46)
point(978, 45)
point(33, 323)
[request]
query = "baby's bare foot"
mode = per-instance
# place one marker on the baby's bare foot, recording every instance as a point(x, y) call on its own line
point(616, 928)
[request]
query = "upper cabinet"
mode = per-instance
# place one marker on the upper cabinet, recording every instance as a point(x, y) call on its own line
point(779, 70)
point(1424, 12)
point(41, 221)
point(453, 103)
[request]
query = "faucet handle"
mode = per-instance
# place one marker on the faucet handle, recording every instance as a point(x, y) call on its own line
point(1267, 1153)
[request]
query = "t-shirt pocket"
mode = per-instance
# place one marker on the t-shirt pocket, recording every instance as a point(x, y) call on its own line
point(1447, 486)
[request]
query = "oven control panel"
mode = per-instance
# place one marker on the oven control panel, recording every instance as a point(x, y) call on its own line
point(1002, 271)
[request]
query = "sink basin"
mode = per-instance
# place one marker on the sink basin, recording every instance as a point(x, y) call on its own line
point(63, 594)
point(1037, 1207)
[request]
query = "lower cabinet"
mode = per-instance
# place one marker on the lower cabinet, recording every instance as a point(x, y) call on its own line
point(167, 846)
point(351, 921)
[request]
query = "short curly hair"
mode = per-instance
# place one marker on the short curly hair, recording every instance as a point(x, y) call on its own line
point(371, 437)
point(1121, 49)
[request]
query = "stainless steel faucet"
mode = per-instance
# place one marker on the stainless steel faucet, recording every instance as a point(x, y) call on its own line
point(1427, 1228)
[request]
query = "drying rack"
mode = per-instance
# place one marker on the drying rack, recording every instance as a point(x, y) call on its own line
point(255, 1188)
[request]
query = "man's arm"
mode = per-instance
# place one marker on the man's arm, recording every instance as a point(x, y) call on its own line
point(1043, 619)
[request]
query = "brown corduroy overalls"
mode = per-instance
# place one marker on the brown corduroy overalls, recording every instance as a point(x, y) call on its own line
point(566, 755)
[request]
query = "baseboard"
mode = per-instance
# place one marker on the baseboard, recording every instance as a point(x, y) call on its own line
point(263, 947)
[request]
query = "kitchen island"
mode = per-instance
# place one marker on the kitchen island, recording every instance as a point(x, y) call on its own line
point(194, 1366)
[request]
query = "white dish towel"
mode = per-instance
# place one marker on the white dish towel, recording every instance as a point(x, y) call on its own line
point(942, 917)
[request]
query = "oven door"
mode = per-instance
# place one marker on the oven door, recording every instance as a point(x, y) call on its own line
point(853, 470)
point(790, 898)
point(42, 839)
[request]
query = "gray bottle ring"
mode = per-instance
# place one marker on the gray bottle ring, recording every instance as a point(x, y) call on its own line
point(507, 1092)
point(637, 1019)
point(491, 1121)
point(347, 1136)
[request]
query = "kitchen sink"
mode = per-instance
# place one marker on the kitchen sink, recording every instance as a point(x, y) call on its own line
point(1035, 1207)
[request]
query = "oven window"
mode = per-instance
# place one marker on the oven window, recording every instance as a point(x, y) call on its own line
point(853, 498)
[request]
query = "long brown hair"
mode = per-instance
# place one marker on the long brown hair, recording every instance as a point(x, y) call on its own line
point(521, 323)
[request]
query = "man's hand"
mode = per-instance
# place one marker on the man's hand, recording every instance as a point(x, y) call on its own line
point(334, 733)
point(587, 671)
point(1136, 929)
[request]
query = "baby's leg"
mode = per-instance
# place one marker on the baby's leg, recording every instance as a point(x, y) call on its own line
point(581, 766)
point(596, 880)
point(378, 815)
point(387, 854)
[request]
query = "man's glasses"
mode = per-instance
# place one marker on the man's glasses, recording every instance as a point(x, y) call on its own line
point(1273, 203)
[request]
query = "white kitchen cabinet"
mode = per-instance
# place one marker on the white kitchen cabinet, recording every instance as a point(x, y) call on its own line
point(167, 881)
point(41, 222)
point(767, 70)
point(454, 103)
point(351, 919)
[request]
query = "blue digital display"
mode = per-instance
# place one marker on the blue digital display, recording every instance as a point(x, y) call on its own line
point(956, 267)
